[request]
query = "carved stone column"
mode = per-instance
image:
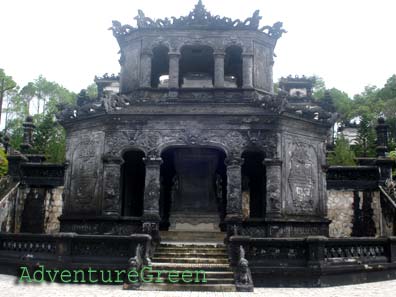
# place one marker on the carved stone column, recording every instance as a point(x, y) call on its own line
point(234, 191)
point(219, 69)
point(273, 168)
point(174, 70)
point(152, 189)
point(247, 70)
point(111, 204)
point(145, 69)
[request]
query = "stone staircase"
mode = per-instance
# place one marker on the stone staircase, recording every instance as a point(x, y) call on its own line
point(208, 262)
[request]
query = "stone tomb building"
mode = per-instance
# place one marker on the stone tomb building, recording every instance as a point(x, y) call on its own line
point(197, 164)
point(196, 139)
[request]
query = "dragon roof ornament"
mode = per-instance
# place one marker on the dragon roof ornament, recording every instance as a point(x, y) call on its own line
point(198, 18)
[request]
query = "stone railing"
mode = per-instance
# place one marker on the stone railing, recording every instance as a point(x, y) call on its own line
point(42, 174)
point(72, 251)
point(315, 260)
point(353, 177)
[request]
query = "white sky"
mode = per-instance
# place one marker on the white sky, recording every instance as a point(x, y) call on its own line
point(350, 43)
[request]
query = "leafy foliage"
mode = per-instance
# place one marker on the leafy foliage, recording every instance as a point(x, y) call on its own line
point(342, 154)
point(3, 163)
point(40, 98)
point(366, 143)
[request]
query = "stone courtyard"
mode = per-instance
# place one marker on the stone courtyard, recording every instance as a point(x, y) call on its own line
point(7, 284)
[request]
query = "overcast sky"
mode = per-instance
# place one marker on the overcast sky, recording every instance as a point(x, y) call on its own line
point(349, 43)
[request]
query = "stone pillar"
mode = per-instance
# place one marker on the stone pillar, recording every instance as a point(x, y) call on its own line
point(273, 169)
point(152, 189)
point(173, 70)
point(111, 203)
point(145, 69)
point(383, 162)
point(28, 128)
point(219, 69)
point(247, 70)
point(234, 191)
point(382, 137)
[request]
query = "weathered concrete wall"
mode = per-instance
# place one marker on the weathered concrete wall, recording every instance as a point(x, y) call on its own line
point(347, 217)
point(53, 209)
point(340, 212)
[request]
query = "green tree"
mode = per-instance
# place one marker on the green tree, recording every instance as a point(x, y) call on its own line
point(342, 154)
point(49, 136)
point(92, 91)
point(7, 84)
point(342, 102)
point(366, 138)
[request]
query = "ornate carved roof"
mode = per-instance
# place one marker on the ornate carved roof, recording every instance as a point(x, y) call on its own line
point(198, 18)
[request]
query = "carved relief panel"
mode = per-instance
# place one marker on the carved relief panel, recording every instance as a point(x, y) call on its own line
point(302, 177)
point(85, 172)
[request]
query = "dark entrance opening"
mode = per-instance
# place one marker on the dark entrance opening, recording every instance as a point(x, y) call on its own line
point(34, 211)
point(253, 184)
point(193, 187)
point(133, 174)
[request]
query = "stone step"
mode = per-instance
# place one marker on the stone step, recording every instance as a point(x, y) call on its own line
point(181, 254)
point(193, 245)
point(188, 287)
point(192, 236)
point(192, 249)
point(198, 260)
point(190, 266)
point(192, 280)
point(208, 274)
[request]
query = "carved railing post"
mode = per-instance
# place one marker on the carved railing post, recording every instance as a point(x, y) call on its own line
point(219, 69)
point(145, 69)
point(316, 254)
point(247, 70)
point(234, 193)
point(111, 203)
point(173, 70)
point(273, 169)
point(392, 249)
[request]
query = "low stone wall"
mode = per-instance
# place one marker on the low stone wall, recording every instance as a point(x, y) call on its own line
point(315, 261)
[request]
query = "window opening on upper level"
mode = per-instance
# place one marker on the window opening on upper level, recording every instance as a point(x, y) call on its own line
point(196, 67)
point(160, 67)
point(233, 67)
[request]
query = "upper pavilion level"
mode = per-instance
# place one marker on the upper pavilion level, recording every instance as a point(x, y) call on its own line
point(197, 51)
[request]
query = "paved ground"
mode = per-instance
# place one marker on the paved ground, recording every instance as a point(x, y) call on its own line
point(9, 288)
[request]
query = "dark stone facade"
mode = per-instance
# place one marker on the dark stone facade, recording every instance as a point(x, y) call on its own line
point(289, 131)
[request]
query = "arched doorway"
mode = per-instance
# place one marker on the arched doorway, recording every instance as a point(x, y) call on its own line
point(193, 188)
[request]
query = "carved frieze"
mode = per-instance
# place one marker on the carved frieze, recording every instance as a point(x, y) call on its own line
point(152, 142)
